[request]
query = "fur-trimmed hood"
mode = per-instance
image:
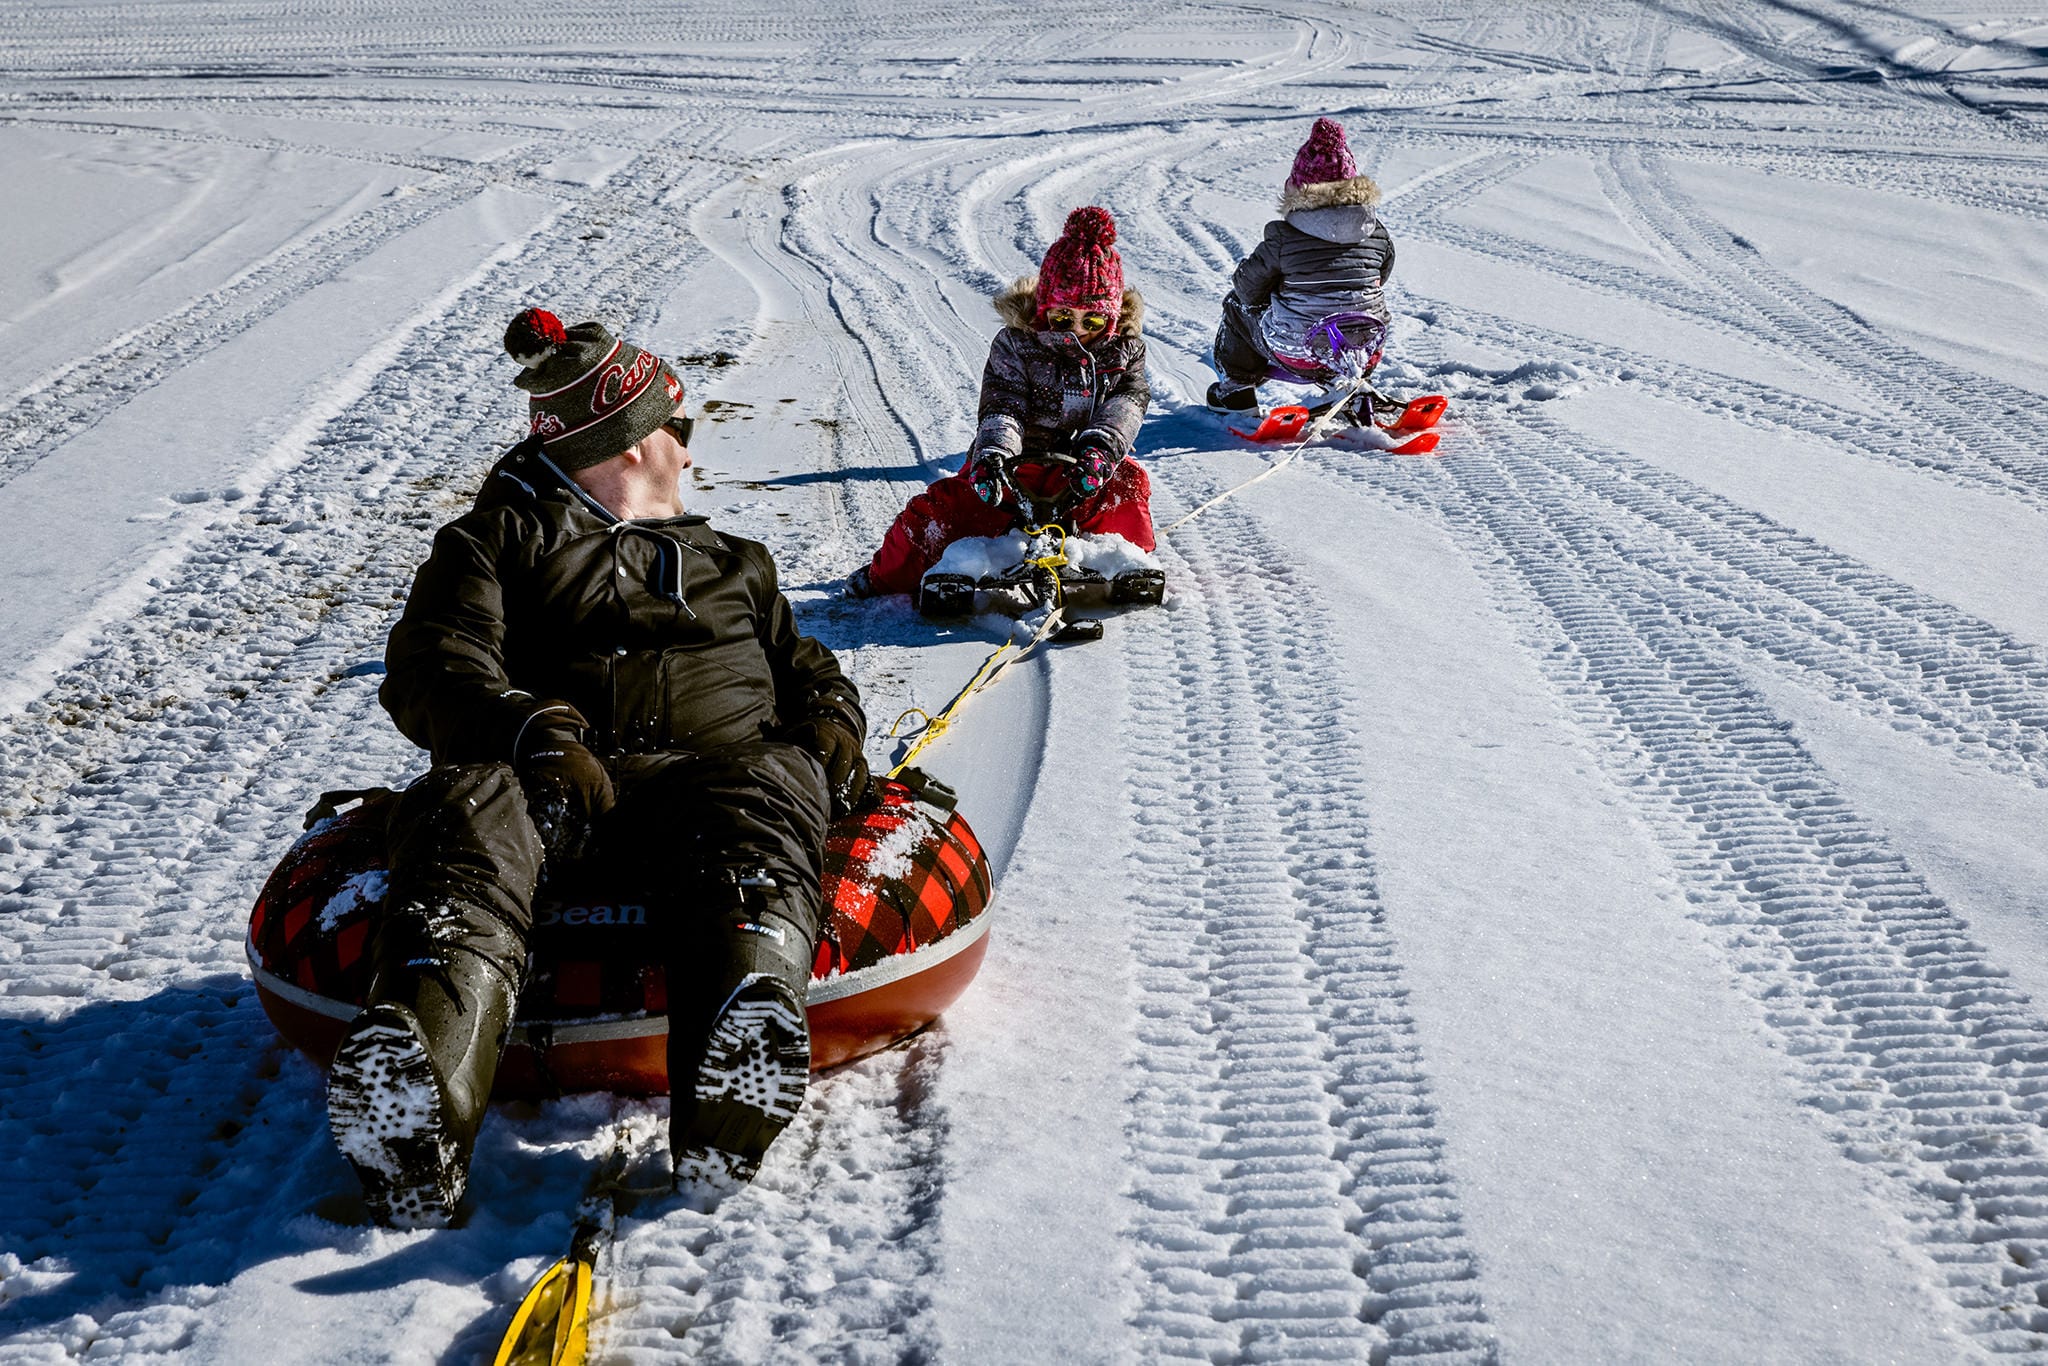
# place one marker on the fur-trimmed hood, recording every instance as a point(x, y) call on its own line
point(1017, 305)
point(1328, 194)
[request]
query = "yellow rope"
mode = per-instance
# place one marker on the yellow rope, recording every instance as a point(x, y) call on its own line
point(935, 726)
point(1053, 561)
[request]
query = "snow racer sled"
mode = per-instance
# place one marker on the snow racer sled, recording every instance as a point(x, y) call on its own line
point(1340, 352)
point(906, 896)
point(1043, 562)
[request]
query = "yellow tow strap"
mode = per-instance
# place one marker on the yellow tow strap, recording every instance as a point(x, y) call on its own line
point(1001, 658)
point(551, 1327)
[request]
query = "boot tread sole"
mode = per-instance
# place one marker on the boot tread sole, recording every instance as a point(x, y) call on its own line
point(384, 1110)
point(750, 1085)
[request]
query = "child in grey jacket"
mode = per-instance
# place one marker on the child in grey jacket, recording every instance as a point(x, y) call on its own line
point(1325, 260)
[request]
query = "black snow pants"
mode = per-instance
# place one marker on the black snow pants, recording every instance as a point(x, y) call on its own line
point(693, 829)
point(1238, 354)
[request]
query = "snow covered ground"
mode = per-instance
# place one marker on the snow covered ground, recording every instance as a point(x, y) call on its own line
point(1580, 898)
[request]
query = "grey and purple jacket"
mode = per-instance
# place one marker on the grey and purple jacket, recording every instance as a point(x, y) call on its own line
point(1045, 392)
point(1329, 254)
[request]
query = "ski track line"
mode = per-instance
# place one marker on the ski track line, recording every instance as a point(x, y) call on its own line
point(1999, 430)
point(80, 41)
point(70, 399)
point(1887, 649)
point(1892, 373)
point(1932, 1071)
point(1900, 85)
point(1869, 435)
point(1910, 660)
point(1867, 78)
point(1291, 1201)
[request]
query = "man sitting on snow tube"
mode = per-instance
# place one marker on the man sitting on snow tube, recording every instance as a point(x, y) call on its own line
point(598, 677)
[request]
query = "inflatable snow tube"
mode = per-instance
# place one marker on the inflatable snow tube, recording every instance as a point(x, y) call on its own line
point(907, 891)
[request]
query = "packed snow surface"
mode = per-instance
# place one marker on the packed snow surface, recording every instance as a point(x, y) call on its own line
point(1577, 898)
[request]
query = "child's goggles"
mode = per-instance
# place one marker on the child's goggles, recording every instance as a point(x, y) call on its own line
point(1065, 320)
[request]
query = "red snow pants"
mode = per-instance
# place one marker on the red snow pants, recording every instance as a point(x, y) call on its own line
point(948, 511)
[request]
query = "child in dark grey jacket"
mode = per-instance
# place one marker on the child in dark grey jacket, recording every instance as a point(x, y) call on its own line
point(1325, 261)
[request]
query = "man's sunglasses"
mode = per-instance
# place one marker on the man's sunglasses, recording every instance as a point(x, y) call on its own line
point(682, 427)
point(1063, 320)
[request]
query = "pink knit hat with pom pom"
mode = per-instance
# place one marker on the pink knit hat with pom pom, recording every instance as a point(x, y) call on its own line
point(1324, 157)
point(1082, 269)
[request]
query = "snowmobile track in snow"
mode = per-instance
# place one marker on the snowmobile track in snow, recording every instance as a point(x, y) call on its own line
point(1932, 1067)
point(874, 175)
point(1292, 1200)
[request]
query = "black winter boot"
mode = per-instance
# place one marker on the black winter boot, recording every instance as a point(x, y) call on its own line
point(1226, 396)
point(413, 1075)
point(739, 1039)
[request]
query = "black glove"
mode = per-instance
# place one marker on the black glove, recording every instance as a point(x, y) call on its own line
point(1094, 463)
point(567, 789)
point(846, 768)
point(990, 476)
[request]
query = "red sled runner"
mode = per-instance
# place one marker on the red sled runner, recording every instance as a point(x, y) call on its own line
point(907, 890)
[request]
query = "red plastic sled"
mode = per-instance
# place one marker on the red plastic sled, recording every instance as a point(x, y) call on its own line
point(1417, 414)
point(1284, 423)
point(1288, 422)
point(907, 890)
point(1423, 443)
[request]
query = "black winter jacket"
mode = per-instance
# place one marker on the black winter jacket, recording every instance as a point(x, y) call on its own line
point(532, 596)
point(1316, 262)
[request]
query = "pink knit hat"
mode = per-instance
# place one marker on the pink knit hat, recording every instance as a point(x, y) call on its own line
point(1082, 269)
point(1324, 157)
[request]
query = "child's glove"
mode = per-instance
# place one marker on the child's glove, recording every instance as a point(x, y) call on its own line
point(991, 480)
point(1093, 466)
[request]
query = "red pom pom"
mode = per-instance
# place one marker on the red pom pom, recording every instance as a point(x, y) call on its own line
point(533, 335)
point(1091, 227)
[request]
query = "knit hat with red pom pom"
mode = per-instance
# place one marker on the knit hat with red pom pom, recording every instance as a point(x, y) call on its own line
point(592, 395)
point(1082, 269)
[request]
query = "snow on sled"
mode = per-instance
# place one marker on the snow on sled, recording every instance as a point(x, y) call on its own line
point(907, 890)
point(1022, 573)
